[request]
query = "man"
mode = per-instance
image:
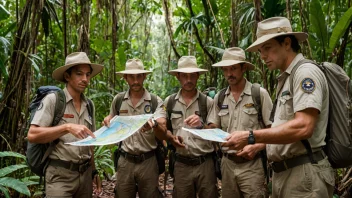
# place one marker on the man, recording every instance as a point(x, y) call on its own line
point(242, 171)
point(69, 172)
point(301, 114)
point(194, 172)
point(137, 169)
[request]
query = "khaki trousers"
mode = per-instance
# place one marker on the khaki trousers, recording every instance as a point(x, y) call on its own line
point(243, 179)
point(61, 182)
point(307, 180)
point(191, 181)
point(145, 175)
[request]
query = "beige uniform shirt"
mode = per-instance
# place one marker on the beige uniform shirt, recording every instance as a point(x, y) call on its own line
point(139, 142)
point(310, 91)
point(195, 146)
point(44, 117)
point(242, 115)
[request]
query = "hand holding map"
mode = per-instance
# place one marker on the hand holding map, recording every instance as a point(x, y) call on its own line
point(121, 127)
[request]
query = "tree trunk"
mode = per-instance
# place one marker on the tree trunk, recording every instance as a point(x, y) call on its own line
point(11, 106)
point(234, 39)
point(114, 42)
point(64, 21)
point(305, 47)
point(196, 32)
point(169, 28)
point(83, 44)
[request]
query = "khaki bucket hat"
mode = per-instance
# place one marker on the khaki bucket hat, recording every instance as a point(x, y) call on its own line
point(76, 58)
point(274, 27)
point(233, 56)
point(133, 66)
point(187, 64)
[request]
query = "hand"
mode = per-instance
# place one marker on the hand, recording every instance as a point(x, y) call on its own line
point(248, 152)
point(193, 121)
point(106, 121)
point(177, 141)
point(147, 126)
point(236, 140)
point(79, 131)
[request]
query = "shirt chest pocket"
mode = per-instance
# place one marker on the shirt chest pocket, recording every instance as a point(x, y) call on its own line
point(224, 118)
point(176, 120)
point(249, 117)
point(286, 107)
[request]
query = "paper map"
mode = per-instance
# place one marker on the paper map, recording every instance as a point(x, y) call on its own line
point(121, 127)
point(216, 135)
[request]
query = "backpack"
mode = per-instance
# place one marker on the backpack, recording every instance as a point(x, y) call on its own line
point(339, 130)
point(161, 151)
point(210, 91)
point(37, 154)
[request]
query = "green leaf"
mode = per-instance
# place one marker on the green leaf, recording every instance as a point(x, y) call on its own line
point(319, 27)
point(10, 169)
point(12, 154)
point(15, 184)
point(4, 14)
point(218, 50)
point(214, 6)
point(340, 29)
point(5, 191)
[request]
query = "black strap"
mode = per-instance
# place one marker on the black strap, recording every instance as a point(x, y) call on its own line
point(221, 97)
point(255, 91)
point(202, 105)
point(169, 108)
point(120, 96)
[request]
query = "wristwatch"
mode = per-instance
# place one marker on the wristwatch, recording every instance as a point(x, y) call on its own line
point(155, 123)
point(251, 138)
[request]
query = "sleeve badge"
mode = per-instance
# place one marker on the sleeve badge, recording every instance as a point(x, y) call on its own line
point(308, 85)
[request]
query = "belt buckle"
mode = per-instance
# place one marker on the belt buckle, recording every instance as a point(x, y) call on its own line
point(142, 157)
point(83, 167)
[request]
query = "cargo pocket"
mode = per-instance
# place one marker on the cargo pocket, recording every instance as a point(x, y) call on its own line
point(249, 117)
point(286, 107)
point(176, 121)
point(224, 118)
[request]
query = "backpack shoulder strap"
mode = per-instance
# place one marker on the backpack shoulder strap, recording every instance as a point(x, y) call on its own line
point(169, 108)
point(305, 142)
point(59, 111)
point(255, 91)
point(60, 106)
point(203, 109)
point(221, 97)
point(91, 111)
point(118, 103)
point(154, 102)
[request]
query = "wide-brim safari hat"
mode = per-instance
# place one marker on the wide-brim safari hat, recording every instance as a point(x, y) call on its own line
point(187, 64)
point(133, 66)
point(76, 58)
point(233, 56)
point(274, 27)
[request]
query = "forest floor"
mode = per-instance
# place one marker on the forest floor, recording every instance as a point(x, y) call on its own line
point(108, 188)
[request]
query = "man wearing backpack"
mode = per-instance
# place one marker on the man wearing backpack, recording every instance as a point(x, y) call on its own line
point(295, 141)
point(236, 108)
point(69, 171)
point(194, 172)
point(137, 168)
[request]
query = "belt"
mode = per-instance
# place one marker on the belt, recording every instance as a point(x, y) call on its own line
point(192, 161)
point(70, 165)
point(296, 161)
point(137, 158)
point(238, 159)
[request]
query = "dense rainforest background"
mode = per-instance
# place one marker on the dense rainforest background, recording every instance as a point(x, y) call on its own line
point(36, 36)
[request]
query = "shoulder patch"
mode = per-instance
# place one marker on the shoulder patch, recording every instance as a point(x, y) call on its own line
point(308, 85)
point(147, 108)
